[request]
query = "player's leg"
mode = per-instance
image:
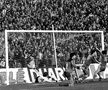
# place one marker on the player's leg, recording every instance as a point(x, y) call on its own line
point(81, 76)
point(85, 74)
point(97, 72)
point(69, 76)
point(1, 80)
point(102, 68)
point(71, 80)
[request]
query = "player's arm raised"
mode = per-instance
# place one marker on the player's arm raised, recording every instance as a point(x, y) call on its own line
point(96, 61)
point(99, 52)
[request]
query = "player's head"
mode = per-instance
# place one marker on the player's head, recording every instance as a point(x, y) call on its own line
point(31, 63)
point(104, 52)
point(93, 52)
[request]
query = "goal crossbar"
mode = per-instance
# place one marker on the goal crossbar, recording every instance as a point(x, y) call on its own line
point(49, 31)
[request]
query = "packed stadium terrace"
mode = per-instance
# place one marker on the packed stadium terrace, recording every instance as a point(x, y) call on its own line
point(41, 15)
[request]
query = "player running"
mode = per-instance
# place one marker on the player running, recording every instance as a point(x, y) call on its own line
point(70, 66)
point(102, 65)
point(85, 67)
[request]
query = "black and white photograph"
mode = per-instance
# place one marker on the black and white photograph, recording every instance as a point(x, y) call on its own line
point(53, 44)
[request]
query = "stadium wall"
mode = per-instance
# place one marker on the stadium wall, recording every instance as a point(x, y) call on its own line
point(25, 75)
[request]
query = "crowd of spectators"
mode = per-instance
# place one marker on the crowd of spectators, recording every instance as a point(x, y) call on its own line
point(24, 46)
point(39, 47)
point(63, 14)
point(41, 15)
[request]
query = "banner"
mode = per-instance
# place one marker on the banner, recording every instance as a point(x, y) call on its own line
point(56, 73)
point(16, 75)
point(92, 69)
point(25, 75)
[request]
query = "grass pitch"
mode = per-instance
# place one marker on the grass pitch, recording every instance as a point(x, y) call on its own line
point(87, 85)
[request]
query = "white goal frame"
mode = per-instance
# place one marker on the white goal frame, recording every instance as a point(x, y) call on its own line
point(47, 31)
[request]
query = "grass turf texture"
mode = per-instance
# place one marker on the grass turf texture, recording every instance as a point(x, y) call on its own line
point(87, 85)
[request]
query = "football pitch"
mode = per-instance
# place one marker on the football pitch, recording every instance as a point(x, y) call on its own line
point(91, 85)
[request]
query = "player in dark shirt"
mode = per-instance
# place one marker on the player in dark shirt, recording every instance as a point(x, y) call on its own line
point(85, 66)
point(70, 66)
point(102, 64)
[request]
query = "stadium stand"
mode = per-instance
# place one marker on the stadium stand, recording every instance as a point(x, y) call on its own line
point(38, 15)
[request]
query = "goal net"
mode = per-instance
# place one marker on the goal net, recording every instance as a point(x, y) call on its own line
point(49, 48)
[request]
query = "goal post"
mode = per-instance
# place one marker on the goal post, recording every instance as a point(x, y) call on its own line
point(6, 57)
point(43, 31)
